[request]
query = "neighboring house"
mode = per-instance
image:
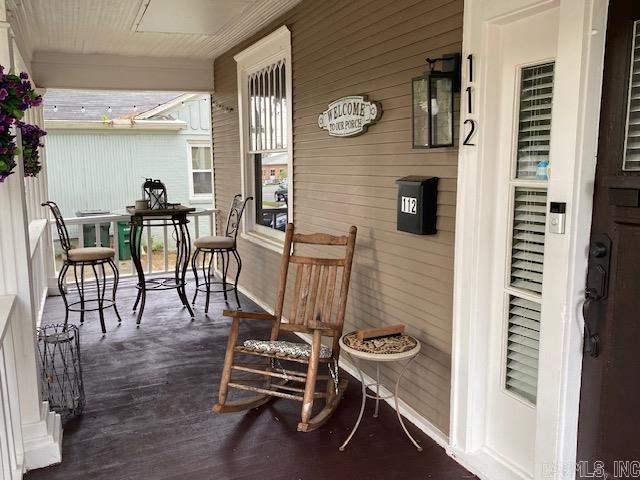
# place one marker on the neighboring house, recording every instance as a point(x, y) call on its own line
point(274, 168)
point(102, 145)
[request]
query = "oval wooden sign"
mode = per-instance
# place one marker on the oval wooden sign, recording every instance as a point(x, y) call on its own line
point(349, 116)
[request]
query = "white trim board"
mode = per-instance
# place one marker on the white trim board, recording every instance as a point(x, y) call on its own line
point(270, 49)
point(117, 124)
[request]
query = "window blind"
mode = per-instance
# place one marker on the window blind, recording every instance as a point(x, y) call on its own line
point(534, 122)
point(631, 160)
point(527, 255)
point(268, 108)
point(523, 347)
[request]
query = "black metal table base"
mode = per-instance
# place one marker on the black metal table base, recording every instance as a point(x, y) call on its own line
point(177, 282)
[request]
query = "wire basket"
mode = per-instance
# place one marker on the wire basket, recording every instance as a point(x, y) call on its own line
point(61, 369)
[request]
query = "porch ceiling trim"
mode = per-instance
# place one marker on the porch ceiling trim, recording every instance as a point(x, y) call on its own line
point(116, 124)
point(120, 72)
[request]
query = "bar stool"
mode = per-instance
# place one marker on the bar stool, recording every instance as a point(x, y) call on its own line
point(223, 245)
point(79, 258)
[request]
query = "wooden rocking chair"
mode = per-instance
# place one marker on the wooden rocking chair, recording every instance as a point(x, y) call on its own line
point(311, 313)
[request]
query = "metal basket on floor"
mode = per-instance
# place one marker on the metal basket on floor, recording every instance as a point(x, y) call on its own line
point(61, 369)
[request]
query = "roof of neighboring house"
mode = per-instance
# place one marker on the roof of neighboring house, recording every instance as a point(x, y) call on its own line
point(275, 159)
point(123, 104)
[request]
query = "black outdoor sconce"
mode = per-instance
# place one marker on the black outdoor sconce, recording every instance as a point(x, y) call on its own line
point(432, 100)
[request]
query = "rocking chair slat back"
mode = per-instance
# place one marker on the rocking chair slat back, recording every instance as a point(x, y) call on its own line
point(315, 285)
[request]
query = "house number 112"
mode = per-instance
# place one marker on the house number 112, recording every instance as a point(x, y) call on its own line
point(408, 205)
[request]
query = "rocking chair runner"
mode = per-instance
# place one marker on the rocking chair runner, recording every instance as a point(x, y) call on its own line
point(312, 308)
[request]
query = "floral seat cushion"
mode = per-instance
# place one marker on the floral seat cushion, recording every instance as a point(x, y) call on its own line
point(284, 349)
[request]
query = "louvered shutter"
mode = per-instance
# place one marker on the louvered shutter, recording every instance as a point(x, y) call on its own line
point(528, 212)
point(534, 127)
point(523, 347)
point(527, 256)
point(632, 141)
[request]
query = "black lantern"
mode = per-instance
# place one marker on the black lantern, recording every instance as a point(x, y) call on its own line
point(432, 100)
point(156, 193)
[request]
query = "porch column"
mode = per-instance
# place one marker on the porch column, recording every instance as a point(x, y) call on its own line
point(41, 429)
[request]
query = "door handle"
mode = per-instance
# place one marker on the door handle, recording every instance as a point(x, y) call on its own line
point(596, 289)
point(591, 340)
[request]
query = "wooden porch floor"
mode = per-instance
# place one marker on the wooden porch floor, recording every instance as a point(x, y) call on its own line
point(148, 415)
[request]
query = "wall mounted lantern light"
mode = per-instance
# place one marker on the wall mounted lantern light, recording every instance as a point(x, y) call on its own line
point(432, 101)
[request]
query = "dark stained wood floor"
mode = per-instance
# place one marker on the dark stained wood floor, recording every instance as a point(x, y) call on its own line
point(148, 416)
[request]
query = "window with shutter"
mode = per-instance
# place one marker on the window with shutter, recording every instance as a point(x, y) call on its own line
point(528, 215)
point(631, 160)
point(522, 347)
point(527, 256)
point(534, 127)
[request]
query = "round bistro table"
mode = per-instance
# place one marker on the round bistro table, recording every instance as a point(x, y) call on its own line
point(176, 217)
point(356, 356)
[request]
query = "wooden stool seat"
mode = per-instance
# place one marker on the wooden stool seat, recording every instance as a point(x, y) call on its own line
point(88, 254)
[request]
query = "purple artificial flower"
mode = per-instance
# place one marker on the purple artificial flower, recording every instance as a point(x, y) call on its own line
point(24, 75)
point(3, 93)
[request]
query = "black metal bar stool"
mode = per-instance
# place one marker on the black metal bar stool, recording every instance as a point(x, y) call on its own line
point(223, 245)
point(79, 258)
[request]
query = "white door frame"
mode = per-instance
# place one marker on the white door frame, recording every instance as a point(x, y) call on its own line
point(577, 90)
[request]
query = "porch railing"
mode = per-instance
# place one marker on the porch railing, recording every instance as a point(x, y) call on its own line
point(11, 446)
point(196, 228)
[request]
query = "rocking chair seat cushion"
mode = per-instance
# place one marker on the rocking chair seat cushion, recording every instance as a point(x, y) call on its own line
point(88, 254)
point(214, 242)
point(284, 349)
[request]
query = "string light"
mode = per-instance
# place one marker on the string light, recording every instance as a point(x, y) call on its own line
point(136, 108)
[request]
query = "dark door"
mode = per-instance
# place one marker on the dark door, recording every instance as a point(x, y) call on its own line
point(609, 425)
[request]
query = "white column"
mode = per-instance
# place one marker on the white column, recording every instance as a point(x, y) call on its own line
point(41, 429)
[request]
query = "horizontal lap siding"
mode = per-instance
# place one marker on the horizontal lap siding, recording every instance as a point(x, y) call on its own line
point(369, 47)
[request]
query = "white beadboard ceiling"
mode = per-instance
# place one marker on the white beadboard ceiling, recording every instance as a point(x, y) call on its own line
point(190, 29)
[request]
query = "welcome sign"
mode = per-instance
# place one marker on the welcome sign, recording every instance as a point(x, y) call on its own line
point(349, 116)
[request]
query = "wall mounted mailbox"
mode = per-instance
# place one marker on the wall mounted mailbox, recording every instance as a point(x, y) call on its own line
point(417, 204)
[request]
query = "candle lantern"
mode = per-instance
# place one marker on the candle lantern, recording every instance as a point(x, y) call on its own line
point(432, 100)
point(156, 193)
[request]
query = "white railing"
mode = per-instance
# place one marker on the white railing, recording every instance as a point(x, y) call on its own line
point(196, 228)
point(11, 446)
point(40, 263)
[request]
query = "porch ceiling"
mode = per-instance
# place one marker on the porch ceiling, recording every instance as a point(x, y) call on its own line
point(130, 42)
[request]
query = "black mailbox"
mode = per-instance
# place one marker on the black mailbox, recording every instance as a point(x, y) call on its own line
point(417, 204)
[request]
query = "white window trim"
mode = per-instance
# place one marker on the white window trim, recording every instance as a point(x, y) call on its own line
point(273, 47)
point(194, 197)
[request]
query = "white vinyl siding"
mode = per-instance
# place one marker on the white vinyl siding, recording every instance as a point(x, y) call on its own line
point(528, 212)
point(631, 160)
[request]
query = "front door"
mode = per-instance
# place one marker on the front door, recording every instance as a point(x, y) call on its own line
point(609, 424)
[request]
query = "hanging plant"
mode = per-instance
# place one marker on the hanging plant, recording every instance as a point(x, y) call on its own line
point(8, 149)
point(16, 95)
point(31, 135)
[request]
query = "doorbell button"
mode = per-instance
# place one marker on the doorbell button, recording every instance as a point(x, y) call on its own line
point(557, 214)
